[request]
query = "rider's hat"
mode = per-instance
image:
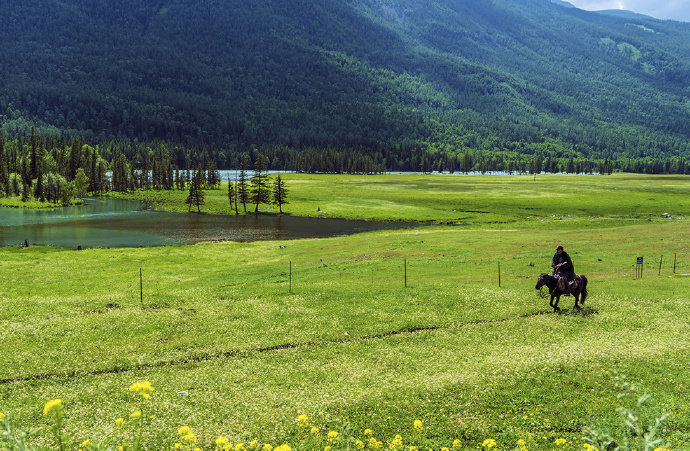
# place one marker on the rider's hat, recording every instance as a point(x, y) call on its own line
point(558, 247)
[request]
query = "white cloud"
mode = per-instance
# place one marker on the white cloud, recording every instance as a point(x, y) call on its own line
point(662, 9)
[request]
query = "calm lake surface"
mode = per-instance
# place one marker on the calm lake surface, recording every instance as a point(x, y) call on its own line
point(104, 222)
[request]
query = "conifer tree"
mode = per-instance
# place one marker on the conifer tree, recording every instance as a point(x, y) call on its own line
point(231, 195)
point(196, 193)
point(279, 193)
point(242, 188)
point(260, 193)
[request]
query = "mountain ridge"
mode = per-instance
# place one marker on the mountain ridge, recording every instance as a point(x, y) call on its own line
point(356, 73)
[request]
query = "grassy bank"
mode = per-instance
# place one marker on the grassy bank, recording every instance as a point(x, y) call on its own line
point(16, 202)
point(574, 200)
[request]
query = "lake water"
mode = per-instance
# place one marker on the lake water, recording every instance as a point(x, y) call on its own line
point(104, 222)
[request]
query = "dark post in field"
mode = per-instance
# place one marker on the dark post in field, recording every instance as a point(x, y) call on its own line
point(141, 289)
point(499, 274)
point(290, 276)
point(674, 262)
point(660, 261)
point(405, 277)
point(638, 267)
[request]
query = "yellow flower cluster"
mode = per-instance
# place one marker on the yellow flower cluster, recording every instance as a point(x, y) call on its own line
point(456, 444)
point(332, 436)
point(314, 431)
point(53, 407)
point(560, 441)
point(303, 421)
point(2, 416)
point(489, 443)
point(223, 443)
point(368, 432)
point(396, 443)
point(418, 425)
point(119, 422)
point(282, 448)
point(144, 388)
point(136, 414)
point(359, 444)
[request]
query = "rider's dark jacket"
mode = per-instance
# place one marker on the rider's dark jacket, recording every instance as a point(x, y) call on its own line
point(566, 269)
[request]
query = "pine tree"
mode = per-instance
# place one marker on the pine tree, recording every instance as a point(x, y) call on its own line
point(260, 193)
point(231, 195)
point(242, 188)
point(279, 193)
point(196, 192)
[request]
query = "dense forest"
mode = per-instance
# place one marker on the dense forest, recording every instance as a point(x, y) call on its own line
point(353, 86)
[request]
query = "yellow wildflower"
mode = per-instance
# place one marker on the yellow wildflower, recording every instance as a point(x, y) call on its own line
point(144, 388)
point(456, 443)
point(327, 448)
point(120, 448)
point(254, 444)
point(368, 432)
point(302, 421)
point(228, 447)
point(489, 443)
point(85, 443)
point(197, 449)
point(220, 441)
point(444, 449)
point(661, 449)
point(240, 447)
point(332, 436)
point(267, 447)
point(119, 421)
point(2, 416)
point(413, 448)
point(136, 414)
point(418, 425)
point(560, 441)
point(191, 438)
point(314, 431)
point(359, 444)
point(179, 446)
point(282, 448)
point(184, 430)
point(53, 406)
point(521, 442)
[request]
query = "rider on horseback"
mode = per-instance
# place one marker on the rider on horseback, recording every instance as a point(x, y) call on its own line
point(562, 265)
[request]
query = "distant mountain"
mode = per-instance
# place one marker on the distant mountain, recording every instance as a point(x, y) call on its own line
point(624, 13)
point(563, 3)
point(515, 76)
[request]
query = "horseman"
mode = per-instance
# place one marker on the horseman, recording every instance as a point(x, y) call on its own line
point(562, 265)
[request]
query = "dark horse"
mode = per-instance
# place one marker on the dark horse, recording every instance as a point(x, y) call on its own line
point(577, 289)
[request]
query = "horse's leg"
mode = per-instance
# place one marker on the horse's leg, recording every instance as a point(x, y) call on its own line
point(555, 305)
point(576, 295)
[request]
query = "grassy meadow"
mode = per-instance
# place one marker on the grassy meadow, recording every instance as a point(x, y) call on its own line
point(233, 351)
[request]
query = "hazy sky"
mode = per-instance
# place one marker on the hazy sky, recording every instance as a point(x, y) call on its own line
point(661, 9)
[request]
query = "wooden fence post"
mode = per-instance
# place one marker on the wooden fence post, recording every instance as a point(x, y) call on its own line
point(499, 274)
point(141, 289)
point(660, 261)
point(290, 276)
point(405, 265)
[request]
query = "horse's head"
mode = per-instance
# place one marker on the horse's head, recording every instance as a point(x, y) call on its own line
point(543, 280)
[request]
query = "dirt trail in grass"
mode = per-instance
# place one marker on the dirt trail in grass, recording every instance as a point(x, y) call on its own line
point(236, 353)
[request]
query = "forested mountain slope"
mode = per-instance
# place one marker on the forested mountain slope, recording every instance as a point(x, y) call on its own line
point(508, 75)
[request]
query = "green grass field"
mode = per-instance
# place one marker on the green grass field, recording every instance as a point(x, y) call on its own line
point(232, 352)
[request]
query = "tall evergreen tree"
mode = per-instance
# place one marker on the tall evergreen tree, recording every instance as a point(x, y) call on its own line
point(196, 192)
point(231, 194)
point(279, 193)
point(242, 188)
point(260, 193)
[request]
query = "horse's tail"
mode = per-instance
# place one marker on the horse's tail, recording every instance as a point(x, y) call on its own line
point(584, 290)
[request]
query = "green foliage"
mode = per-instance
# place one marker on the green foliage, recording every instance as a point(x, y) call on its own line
point(367, 77)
